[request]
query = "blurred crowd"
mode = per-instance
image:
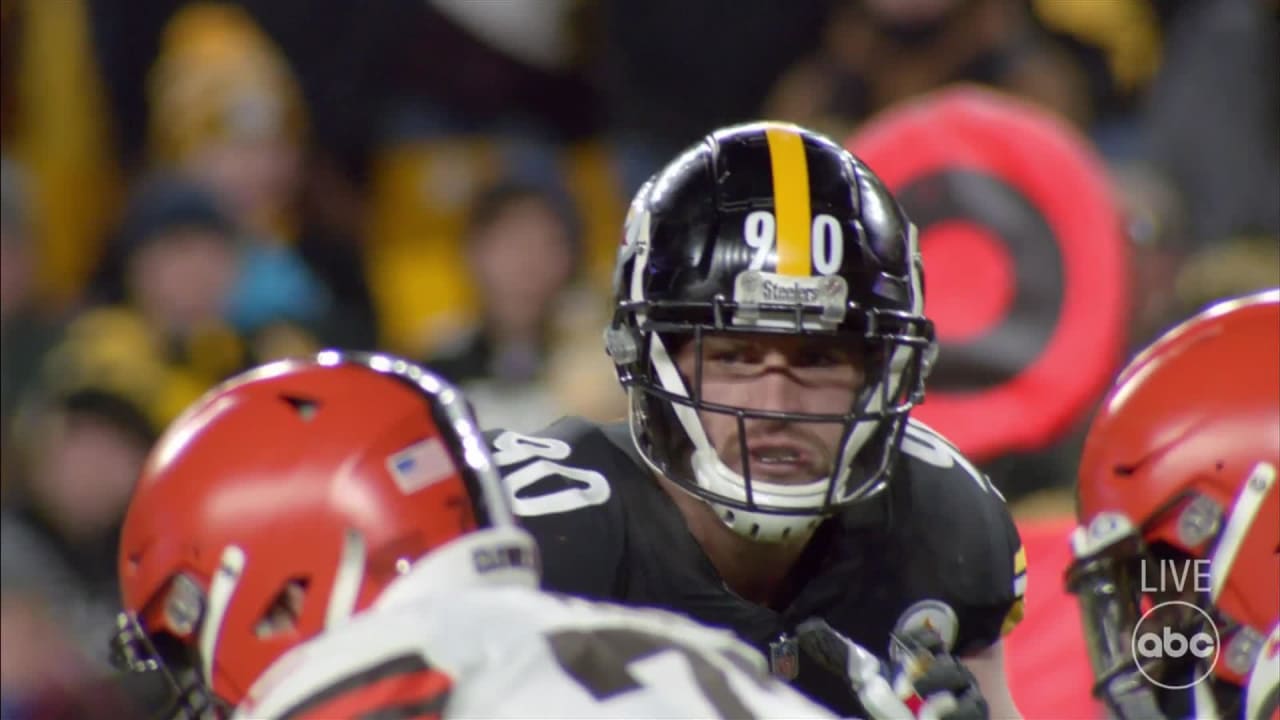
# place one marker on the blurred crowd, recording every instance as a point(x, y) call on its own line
point(191, 188)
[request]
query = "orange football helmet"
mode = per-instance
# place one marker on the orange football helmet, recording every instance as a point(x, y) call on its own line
point(283, 502)
point(1179, 511)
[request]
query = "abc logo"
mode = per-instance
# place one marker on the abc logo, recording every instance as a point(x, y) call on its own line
point(1153, 640)
point(1175, 644)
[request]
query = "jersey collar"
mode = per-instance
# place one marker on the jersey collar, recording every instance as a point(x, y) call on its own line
point(496, 557)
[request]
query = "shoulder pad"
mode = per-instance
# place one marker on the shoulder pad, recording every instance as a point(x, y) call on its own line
point(966, 548)
point(562, 483)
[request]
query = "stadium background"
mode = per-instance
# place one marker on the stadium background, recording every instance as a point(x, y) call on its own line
point(193, 187)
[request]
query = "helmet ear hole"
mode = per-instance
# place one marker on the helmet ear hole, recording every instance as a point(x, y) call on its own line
point(173, 652)
point(281, 616)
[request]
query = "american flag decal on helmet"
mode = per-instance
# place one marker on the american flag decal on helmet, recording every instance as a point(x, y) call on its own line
point(420, 465)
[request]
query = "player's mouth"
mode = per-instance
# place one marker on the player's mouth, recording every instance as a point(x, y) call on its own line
point(783, 462)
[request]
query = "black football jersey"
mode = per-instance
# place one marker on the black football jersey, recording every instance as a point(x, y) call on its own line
point(938, 549)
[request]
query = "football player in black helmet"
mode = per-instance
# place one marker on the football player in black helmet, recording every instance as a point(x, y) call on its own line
point(770, 325)
point(769, 330)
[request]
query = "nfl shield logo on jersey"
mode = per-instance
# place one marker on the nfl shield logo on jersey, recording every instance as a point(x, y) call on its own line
point(784, 658)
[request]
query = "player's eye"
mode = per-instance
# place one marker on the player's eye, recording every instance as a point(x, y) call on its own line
point(822, 358)
point(731, 355)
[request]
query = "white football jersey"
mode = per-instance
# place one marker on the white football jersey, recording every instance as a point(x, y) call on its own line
point(1263, 688)
point(511, 651)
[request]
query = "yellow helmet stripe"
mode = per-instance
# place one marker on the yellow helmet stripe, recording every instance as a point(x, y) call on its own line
point(791, 201)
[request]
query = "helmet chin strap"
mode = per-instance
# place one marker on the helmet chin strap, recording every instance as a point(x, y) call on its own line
point(1129, 697)
point(1244, 511)
point(711, 473)
point(221, 588)
point(1204, 704)
point(1262, 693)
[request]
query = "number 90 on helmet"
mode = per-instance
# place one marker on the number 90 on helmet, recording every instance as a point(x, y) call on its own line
point(768, 229)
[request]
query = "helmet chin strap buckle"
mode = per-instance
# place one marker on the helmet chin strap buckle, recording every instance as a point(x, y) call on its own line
point(184, 605)
point(620, 343)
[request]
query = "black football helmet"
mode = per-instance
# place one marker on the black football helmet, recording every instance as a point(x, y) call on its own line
point(768, 228)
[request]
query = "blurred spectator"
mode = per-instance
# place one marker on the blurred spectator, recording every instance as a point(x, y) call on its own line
point(1230, 268)
point(174, 259)
point(80, 447)
point(877, 52)
point(163, 293)
point(27, 328)
point(1203, 192)
point(227, 111)
point(522, 248)
point(1157, 226)
point(511, 102)
point(1223, 154)
point(580, 374)
point(8, 69)
point(512, 70)
point(672, 70)
point(417, 269)
point(419, 211)
point(1116, 44)
point(43, 675)
point(59, 125)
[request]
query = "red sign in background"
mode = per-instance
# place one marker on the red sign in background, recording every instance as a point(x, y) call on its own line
point(1025, 259)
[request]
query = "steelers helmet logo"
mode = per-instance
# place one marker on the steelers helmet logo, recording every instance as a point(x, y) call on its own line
point(933, 615)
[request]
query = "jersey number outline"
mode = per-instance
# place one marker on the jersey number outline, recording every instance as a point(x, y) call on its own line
point(586, 488)
point(928, 447)
point(606, 662)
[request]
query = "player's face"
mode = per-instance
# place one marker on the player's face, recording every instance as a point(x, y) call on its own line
point(780, 374)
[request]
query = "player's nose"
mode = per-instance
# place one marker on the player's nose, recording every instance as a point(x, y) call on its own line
point(775, 390)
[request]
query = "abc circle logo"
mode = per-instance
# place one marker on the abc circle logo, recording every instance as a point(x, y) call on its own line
point(1153, 640)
